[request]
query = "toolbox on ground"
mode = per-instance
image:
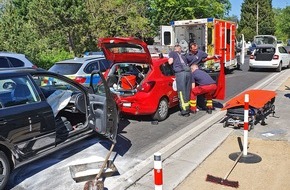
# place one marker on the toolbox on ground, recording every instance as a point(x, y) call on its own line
point(88, 171)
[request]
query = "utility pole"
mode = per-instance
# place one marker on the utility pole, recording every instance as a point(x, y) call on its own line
point(257, 20)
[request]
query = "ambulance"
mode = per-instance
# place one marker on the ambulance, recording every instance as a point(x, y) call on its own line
point(214, 36)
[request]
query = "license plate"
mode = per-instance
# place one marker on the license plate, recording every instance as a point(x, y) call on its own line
point(127, 104)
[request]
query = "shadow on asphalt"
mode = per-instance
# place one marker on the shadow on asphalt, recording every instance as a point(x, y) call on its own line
point(287, 95)
point(121, 147)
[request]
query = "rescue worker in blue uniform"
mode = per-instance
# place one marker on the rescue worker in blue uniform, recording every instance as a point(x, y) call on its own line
point(183, 78)
point(197, 56)
point(202, 83)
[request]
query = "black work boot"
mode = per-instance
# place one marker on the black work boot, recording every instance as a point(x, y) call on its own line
point(209, 110)
point(184, 113)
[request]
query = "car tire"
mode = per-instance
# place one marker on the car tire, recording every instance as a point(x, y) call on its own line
point(251, 68)
point(162, 110)
point(4, 170)
point(279, 68)
point(288, 66)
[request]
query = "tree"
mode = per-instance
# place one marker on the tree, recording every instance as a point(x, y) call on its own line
point(118, 18)
point(248, 20)
point(282, 20)
point(63, 23)
point(233, 18)
point(20, 34)
point(161, 12)
point(16, 33)
point(51, 30)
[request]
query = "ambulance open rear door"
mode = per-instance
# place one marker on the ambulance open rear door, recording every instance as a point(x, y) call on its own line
point(167, 36)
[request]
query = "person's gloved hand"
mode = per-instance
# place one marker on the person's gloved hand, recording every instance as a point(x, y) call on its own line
point(217, 56)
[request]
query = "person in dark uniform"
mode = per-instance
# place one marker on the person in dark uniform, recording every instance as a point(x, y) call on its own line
point(183, 78)
point(202, 83)
point(197, 56)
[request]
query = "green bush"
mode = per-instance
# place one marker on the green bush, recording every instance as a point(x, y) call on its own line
point(46, 59)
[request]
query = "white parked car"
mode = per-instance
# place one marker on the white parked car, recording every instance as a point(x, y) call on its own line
point(8, 59)
point(269, 56)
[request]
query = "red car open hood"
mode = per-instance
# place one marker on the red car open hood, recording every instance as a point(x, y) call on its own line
point(125, 50)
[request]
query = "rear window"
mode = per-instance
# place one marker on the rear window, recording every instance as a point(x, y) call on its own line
point(166, 69)
point(4, 62)
point(101, 65)
point(265, 50)
point(66, 68)
point(16, 62)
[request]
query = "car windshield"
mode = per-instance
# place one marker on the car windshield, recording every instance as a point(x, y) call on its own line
point(66, 68)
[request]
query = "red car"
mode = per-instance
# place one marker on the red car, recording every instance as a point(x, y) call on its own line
point(141, 84)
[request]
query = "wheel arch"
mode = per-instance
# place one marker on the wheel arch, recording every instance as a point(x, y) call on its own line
point(170, 104)
point(168, 100)
point(159, 99)
point(8, 153)
point(164, 96)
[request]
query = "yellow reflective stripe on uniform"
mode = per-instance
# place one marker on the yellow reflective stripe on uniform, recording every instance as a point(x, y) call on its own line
point(209, 103)
point(183, 104)
point(192, 103)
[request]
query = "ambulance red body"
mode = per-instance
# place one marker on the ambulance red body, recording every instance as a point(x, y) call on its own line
point(214, 36)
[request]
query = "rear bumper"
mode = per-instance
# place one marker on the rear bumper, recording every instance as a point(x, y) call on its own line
point(136, 108)
point(264, 64)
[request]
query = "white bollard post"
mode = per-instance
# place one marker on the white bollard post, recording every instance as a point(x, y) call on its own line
point(246, 124)
point(158, 171)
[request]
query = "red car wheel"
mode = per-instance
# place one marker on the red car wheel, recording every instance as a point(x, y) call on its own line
point(162, 110)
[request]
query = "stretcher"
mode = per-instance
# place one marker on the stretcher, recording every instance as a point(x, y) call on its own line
point(261, 104)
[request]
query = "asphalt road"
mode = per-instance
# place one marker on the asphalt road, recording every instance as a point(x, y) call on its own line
point(137, 140)
point(143, 135)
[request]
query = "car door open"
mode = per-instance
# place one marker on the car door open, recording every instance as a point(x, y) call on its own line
point(103, 116)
